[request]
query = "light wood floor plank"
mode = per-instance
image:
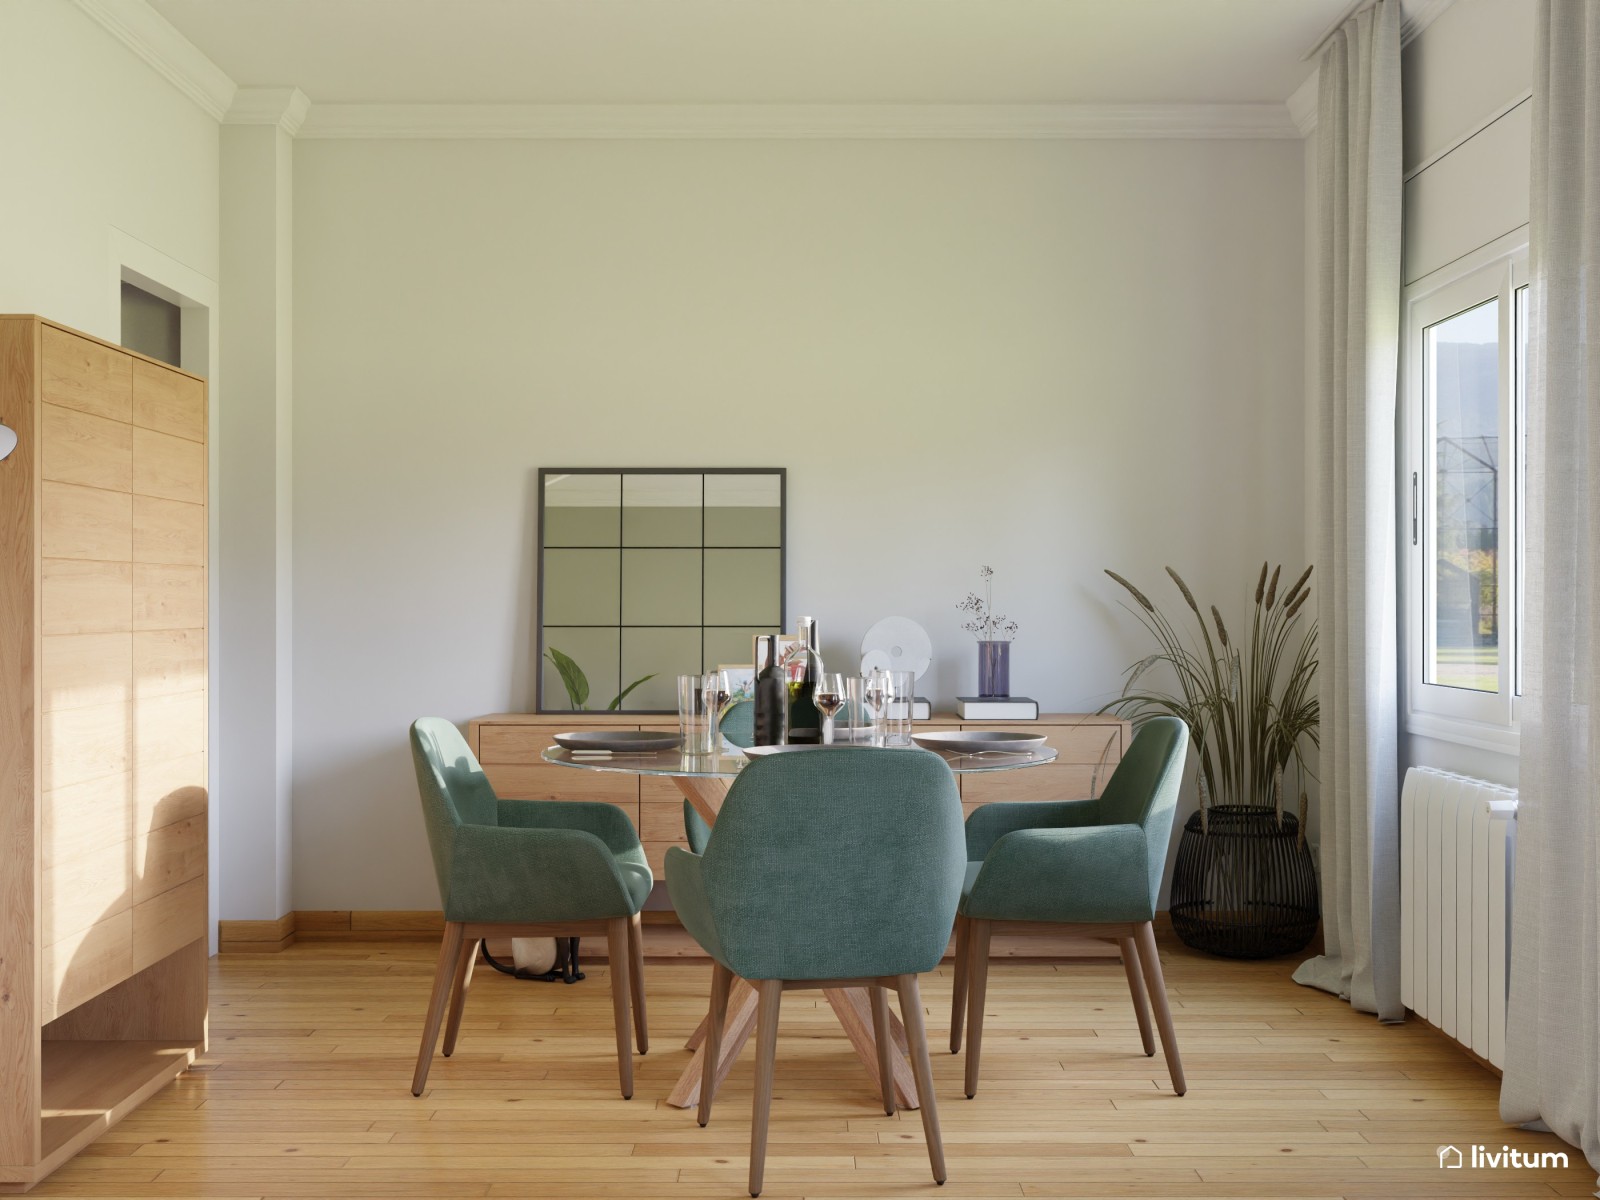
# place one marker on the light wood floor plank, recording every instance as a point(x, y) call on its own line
point(305, 1094)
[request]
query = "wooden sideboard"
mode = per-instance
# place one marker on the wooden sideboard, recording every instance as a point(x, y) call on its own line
point(103, 677)
point(509, 746)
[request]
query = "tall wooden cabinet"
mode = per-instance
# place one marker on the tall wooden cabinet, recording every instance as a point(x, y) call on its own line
point(103, 662)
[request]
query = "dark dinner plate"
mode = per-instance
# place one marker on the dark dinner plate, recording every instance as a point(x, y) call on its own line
point(619, 740)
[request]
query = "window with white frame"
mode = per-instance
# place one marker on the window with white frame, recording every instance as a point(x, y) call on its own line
point(1465, 339)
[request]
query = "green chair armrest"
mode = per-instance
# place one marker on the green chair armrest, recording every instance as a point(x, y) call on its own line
point(543, 874)
point(606, 821)
point(1088, 874)
point(687, 886)
point(987, 825)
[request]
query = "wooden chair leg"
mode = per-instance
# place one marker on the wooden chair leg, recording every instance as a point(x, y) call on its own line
point(917, 1040)
point(716, 1021)
point(458, 994)
point(771, 992)
point(977, 989)
point(885, 1042)
point(444, 974)
point(617, 960)
point(1150, 960)
point(958, 1003)
point(641, 1024)
point(1141, 1008)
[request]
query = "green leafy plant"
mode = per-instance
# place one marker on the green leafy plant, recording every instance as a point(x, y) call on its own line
point(1251, 708)
point(577, 683)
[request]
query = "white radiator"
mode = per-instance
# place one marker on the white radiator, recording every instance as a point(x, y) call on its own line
point(1456, 841)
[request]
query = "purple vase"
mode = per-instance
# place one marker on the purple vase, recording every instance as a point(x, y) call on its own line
point(994, 668)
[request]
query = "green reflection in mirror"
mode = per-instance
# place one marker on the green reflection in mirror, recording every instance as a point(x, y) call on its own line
point(577, 683)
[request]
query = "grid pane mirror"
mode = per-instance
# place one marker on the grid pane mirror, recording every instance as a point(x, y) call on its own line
point(654, 573)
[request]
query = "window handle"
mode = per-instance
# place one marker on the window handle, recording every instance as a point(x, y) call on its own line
point(1413, 508)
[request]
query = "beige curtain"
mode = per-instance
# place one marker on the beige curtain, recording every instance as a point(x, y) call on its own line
point(1552, 1069)
point(1358, 204)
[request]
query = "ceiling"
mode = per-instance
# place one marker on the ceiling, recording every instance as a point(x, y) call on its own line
point(762, 51)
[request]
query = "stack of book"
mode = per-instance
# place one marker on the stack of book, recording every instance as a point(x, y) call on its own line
point(997, 708)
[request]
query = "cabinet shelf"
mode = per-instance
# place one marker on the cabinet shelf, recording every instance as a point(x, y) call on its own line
point(89, 1086)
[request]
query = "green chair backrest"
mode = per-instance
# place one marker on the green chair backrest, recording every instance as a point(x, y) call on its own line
point(453, 788)
point(1143, 790)
point(738, 723)
point(842, 862)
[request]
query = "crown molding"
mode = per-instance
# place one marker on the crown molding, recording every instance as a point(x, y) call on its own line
point(285, 107)
point(1302, 105)
point(783, 121)
point(1417, 15)
point(174, 57)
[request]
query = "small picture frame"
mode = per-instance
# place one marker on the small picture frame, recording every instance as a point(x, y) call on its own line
point(741, 681)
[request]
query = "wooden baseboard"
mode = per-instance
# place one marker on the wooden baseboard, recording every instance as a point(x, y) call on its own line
point(256, 937)
point(314, 925)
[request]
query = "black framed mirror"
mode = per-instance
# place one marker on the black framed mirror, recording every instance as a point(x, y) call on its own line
point(654, 572)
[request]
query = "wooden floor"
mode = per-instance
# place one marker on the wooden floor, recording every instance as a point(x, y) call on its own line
point(306, 1094)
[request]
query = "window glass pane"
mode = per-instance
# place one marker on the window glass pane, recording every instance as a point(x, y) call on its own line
point(1463, 388)
point(1520, 417)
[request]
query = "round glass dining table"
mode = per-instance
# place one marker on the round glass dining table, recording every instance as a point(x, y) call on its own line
point(705, 780)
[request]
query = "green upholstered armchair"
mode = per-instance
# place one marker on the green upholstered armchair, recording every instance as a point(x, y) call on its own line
point(826, 868)
point(1087, 867)
point(520, 868)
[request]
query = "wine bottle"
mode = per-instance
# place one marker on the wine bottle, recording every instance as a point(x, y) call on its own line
point(804, 670)
point(771, 694)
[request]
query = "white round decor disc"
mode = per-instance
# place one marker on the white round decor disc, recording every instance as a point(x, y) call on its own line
point(899, 644)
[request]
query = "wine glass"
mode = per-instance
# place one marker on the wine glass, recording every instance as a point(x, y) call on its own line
point(829, 698)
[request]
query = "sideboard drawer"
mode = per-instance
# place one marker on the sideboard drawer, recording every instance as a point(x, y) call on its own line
point(542, 781)
point(521, 743)
point(1087, 752)
point(1090, 742)
point(1058, 781)
point(661, 820)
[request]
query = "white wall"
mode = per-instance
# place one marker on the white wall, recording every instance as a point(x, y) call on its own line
point(1050, 357)
point(93, 140)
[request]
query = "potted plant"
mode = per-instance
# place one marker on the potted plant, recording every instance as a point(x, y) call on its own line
point(1244, 885)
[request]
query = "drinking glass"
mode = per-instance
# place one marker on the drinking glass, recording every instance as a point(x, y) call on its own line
point(874, 702)
point(717, 690)
point(696, 717)
point(829, 698)
point(896, 707)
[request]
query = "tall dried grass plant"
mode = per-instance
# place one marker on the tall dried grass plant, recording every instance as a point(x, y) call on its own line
point(1251, 707)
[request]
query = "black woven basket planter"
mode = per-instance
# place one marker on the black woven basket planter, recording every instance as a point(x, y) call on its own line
point(1247, 888)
